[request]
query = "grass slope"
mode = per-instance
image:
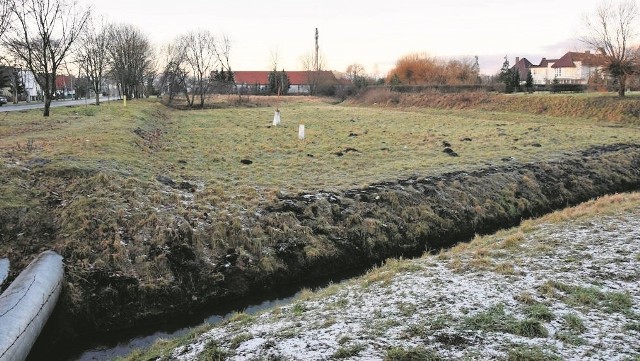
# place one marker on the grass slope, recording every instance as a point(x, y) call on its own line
point(605, 107)
point(562, 287)
point(142, 199)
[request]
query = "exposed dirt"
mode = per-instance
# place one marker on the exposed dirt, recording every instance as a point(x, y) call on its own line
point(323, 233)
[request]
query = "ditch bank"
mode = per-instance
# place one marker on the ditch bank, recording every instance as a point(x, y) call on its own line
point(316, 235)
point(602, 107)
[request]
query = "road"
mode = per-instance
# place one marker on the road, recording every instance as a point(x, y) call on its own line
point(54, 104)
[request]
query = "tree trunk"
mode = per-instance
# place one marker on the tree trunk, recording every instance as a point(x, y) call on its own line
point(49, 89)
point(189, 101)
point(622, 81)
point(97, 98)
point(47, 105)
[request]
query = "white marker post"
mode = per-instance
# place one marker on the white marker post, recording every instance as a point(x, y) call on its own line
point(276, 118)
point(301, 132)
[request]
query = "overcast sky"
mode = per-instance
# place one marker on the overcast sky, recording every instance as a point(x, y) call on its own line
point(372, 33)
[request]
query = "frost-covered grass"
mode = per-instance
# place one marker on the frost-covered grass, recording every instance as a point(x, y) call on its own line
point(571, 293)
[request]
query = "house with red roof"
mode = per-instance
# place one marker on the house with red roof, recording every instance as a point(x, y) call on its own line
point(300, 82)
point(522, 66)
point(571, 68)
point(65, 86)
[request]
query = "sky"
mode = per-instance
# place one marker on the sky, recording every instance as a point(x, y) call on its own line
point(372, 33)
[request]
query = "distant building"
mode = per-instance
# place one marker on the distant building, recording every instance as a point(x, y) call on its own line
point(300, 82)
point(522, 66)
point(571, 68)
point(65, 86)
point(32, 89)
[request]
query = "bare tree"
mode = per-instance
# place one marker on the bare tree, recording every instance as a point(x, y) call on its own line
point(223, 52)
point(274, 58)
point(130, 56)
point(150, 77)
point(356, 74)
point(191, 63)
point(174, 76)
point(92, 55)
point(203, 57)
point(43, 36)
point(611, 30)
point(313, 64)
point(6, 7)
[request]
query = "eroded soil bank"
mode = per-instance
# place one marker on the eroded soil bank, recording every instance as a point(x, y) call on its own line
point(319, 234)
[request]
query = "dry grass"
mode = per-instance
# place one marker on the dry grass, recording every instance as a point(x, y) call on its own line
point(606, 107)
point(86, 180)
point(535, 316)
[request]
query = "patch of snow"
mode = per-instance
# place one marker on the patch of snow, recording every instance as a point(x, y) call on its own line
point(427, 305)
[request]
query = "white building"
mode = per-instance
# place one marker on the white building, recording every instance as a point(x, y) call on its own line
point(31, 87)
point(571, 68)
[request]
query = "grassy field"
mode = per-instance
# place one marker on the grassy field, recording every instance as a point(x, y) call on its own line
point(118, 191)
point(146, 139)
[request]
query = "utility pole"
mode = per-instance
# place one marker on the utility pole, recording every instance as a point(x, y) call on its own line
point(316, 62)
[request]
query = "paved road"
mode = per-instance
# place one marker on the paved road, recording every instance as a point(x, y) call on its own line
point(54, 104)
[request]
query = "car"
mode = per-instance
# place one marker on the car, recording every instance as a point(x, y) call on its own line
point(3, 100)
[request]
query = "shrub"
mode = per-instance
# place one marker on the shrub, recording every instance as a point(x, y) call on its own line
point(572, 88)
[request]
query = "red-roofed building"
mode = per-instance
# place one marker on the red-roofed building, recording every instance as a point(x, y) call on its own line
point(571, 68)
point(300, 82)
point(522, 66)
point(65, 86)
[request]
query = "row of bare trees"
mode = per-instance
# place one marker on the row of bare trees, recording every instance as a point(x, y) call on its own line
point(40, 33)
point(191, 62)
point(45, 35)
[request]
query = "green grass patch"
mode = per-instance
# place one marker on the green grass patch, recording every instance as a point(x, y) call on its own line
point(574, 323)
point(633, 326)
point(539, 311)
point(238, 339)
point(212, 352)
point(298, 308)
point(618, 301)
point(530, 353)
point(240, 318)
point(588, 296)
point(529, 328)
point(411, 354)
point(495, 319)
point(570, 338)
point(162, 348)
point(349, 351)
